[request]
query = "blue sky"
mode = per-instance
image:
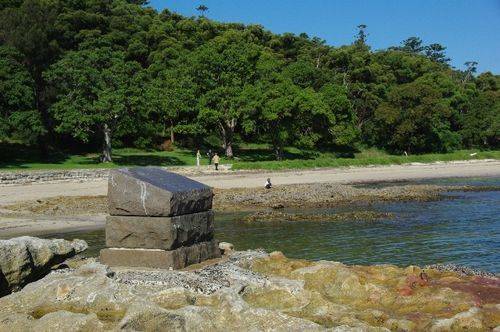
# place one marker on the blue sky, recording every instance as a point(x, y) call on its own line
point(470, 29)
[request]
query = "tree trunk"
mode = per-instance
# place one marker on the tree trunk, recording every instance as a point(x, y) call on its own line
point(278, 153)
point(172, 136)
point(224, 136)
point(227, 143)
point(227, 131)
point(42, 147)
point(276, 142)
point(45, 138)
point(229, 149)
point(467, 77)
point(106, 147)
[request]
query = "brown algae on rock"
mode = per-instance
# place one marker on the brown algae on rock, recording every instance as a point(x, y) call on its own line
point(386, 296)
point(278, 216)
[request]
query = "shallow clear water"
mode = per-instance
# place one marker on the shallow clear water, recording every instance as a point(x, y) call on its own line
point(463, 230)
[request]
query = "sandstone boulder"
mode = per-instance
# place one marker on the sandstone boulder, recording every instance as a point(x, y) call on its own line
point(25, 259)
point(154, 192)
point(252, 291)
point(67, 321)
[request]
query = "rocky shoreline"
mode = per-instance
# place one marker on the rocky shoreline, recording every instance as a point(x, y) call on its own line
point(316, 195)
point(254, 290)
point(72, 213)
point(324, 195)
point(280, 216)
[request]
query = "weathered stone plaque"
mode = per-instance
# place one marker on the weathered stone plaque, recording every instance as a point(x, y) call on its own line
point(154, 192)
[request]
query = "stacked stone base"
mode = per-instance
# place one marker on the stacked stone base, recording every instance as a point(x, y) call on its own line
point(161, 259)
point(160, 242)
point(159, 232)
point(158, 220)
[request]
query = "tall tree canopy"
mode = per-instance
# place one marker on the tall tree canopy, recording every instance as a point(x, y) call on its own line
point(19, 117)
point(119, 72)
point(95, 94)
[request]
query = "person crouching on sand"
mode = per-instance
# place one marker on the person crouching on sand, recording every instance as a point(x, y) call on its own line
point(216, 160)
point(268, 184)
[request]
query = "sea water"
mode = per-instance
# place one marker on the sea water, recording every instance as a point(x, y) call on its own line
point(463, 228)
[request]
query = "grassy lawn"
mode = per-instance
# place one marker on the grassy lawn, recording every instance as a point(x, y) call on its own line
point(26, 159)
point(364, 158)
point(249, 156)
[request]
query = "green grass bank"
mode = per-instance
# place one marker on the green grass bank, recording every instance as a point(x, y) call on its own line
point(246, 157)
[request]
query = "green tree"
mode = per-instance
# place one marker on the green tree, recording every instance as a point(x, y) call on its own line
point(361, 36)
point(30, 28)
point(222, 68)
point(94, 95)
point(276, 104)
point(10, 3)
point(342, 130)
point(418, 117)
point(202, 9)
point(170, 94)
point(80, 67)
point(19, 118)
point(481, 124)
point(413, 45)
point(436, 52)
point(471, 68)
point(305, 74)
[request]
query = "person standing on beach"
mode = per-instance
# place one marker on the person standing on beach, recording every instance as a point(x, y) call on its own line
point(216, 161)
point(209, 155)
point(198, 157)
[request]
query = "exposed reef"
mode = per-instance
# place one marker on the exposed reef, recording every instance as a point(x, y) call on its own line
point(254, 290)
point(279, 216)
point(315, 195)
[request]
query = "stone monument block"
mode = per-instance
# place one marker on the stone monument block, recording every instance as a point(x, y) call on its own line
point(151, 191)
point(161, 259)
point(158, 219)
point(159, 232)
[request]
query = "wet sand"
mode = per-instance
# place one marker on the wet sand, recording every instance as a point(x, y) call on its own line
point(41, 225)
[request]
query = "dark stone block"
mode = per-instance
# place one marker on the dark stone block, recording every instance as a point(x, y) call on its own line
point(161, 259)
point(152, 191)
point(159, 232)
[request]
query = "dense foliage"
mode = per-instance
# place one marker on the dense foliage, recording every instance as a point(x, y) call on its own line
point(94, 72)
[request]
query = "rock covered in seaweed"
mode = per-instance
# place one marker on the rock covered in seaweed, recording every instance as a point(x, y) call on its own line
point(24, 259)
point(256, 291)
point(279, 216)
